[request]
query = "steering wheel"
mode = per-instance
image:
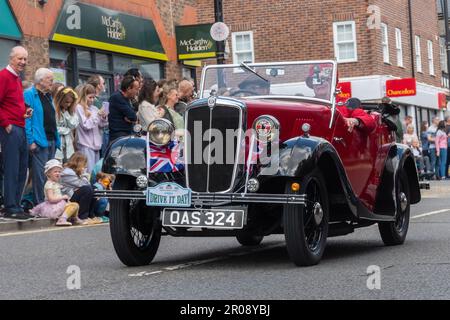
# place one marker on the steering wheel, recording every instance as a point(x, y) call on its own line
point(244, 92)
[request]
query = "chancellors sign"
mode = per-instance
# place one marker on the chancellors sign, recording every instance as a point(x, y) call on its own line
point(101, 28)
point(401, 87)
point(195, 42)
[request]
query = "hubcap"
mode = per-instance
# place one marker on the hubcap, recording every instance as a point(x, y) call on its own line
point(403, 201)
point(318, 213)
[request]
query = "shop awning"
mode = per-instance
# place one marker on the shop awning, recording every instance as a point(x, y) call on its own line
point(100, 28)
point(8, 24)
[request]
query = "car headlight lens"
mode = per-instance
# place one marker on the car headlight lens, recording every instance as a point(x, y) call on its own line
point(160, 132)
point(267, 128)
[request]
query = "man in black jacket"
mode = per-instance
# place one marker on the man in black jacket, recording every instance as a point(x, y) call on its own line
point(121, 116)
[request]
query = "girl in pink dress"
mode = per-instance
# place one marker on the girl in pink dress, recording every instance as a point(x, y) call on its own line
point(55, 205)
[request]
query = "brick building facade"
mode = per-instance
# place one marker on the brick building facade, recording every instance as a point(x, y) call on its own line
point(309, 30)
point(38, 22)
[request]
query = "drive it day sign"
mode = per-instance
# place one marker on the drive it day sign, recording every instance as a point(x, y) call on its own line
point(96, 27)
point(195, 42)
point(401, 87)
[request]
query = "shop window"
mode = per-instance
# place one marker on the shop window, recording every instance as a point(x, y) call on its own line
point(123, 64)
point(60, 64)
point(148, 69)
point(102, 62)
point(345, 41)
point(84, 59)
point(5, 49)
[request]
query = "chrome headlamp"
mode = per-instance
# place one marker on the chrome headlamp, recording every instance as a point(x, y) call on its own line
point(160, 132)
point(267, 128)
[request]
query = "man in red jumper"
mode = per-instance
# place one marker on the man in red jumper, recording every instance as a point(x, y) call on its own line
point(12, 133)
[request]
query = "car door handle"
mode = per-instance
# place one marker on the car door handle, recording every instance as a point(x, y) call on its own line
point(340, 140)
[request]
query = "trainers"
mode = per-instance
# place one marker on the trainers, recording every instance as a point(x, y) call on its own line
point(105, 219)
point(79, 222)
point(18, 216)
point(62, 222)
point(97, 220)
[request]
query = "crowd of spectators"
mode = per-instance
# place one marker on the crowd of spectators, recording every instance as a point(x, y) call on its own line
point(431, 147)
point(56, 137)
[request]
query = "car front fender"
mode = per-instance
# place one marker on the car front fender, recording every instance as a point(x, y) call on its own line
point(126, 156)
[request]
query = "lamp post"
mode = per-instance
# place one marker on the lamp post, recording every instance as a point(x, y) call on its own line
point(218, 15)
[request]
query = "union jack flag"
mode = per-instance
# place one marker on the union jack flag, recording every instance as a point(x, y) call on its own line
point(166, 158)
point(257, 152)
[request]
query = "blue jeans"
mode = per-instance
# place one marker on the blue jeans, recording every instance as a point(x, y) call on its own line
point(15, 164)
point(105, 143)
point(100, 207)
point(39, 157)
point(433, 162)
point(442, 162)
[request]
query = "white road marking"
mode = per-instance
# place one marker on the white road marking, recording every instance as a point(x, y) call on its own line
point(205, 261)
point(430, 213)
point(52, 229)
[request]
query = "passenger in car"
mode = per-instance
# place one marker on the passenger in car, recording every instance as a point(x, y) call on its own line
point(319, 79)
point(356, 117)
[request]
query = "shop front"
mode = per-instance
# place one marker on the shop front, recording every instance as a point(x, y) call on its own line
point(89, 40)
point(10, 33)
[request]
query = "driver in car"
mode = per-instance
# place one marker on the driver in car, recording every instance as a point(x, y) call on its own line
point(319, 79)
point(255, 86)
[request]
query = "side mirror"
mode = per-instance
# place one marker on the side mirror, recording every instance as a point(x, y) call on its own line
point(390, 123)
point(389, 109)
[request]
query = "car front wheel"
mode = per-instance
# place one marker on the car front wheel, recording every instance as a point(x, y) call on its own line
point(394, 233)
point(306, 226)
point(135, 229)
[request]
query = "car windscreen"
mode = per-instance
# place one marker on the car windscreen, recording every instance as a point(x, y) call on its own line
point(303, 79)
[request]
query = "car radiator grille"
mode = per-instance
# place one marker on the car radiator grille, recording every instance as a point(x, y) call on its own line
point(209, 169)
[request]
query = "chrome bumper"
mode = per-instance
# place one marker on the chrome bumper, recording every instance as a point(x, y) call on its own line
point(212, 198)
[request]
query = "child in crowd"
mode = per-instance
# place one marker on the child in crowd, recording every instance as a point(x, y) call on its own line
point(422, 162)
point(75, 182)
point(92, 120)
point(104, 182)
point(55, 205)
point(65, 103)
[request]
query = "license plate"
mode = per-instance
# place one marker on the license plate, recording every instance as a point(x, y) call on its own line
point(204, 218)
point(168, 194)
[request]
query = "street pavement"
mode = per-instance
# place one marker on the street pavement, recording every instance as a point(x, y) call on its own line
point(37, 264)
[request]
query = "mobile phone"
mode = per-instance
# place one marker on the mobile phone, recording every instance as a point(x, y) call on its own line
point(105, 107)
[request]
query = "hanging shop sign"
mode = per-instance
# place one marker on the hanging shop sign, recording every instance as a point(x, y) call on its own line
point(194, 42)
point(442, 100)
point(345, 92)
point(401, 87)
point(105, 29)
point(8, 24)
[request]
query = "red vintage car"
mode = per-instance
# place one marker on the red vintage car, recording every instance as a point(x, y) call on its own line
point(266, 151)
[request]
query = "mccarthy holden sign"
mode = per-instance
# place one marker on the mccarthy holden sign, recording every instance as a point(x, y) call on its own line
point(101, 28)
point(195, 42)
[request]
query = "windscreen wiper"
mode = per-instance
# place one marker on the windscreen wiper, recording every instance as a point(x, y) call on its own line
point(247, 67)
